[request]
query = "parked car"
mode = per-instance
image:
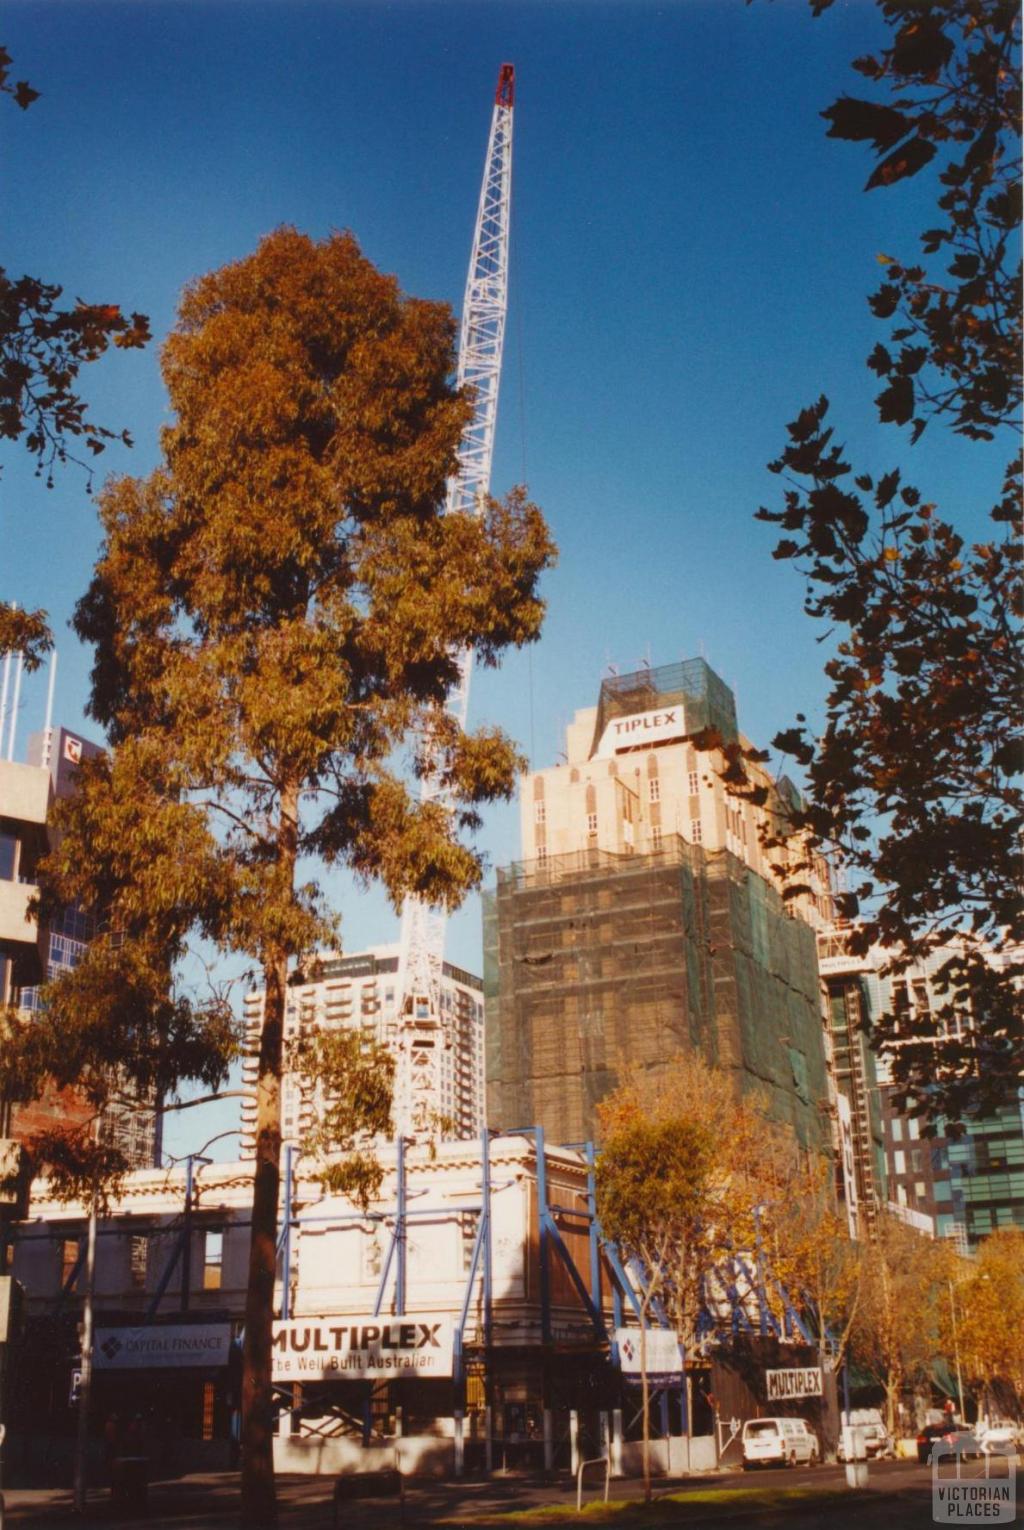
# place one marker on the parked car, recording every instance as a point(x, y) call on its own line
point(878, 1442)
point(959, 1439)
point(997, 1439)
point(779, 1442)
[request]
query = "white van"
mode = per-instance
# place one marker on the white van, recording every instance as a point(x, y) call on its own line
point(779, 1442)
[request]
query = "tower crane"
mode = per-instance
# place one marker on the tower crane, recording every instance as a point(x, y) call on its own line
point(423, 1034)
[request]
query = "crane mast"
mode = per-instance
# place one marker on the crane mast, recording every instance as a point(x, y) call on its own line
point(423, 1034)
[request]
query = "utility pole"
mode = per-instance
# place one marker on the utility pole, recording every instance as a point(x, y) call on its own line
point(85, 1382)
point(14, 1191)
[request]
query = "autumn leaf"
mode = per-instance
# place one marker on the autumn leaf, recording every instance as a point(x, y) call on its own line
point(907, 160)
point(858, 120)
point(24, 95)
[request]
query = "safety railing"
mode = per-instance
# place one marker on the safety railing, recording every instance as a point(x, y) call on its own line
point(604, 1461)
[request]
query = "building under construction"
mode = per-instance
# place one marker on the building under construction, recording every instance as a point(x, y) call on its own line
point(646, 920)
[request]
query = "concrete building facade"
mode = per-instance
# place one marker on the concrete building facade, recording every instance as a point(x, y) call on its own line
point(472, 1317)
point(31, 954)
point(647, 917)
point(460, 1244)
point(960, 1188)
point(360, 991)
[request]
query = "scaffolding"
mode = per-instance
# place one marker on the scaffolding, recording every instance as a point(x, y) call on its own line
point(856, 1077)
point(690, 683)
point(596, 963)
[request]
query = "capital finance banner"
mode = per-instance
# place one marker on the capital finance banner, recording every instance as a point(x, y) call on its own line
point(161, 1346)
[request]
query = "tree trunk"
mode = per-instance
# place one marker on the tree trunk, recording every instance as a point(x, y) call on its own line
point(259, 1501)
point(892, 1341)
point(893, 1393)
point(646, 1394)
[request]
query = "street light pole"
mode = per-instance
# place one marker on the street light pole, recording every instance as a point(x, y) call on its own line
point(956, 1353)
point(85, 1381)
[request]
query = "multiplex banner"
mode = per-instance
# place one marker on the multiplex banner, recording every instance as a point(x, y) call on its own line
point(161, 1346)
point(794, 1383)
point(358, 1349)
point(664, 1356)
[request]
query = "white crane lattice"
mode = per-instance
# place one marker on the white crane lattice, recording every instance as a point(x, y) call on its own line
point(422, 1035)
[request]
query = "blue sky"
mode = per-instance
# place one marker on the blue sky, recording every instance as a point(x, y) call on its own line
point(691, 259)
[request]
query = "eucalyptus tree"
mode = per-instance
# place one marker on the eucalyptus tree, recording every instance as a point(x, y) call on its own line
point(277, 613)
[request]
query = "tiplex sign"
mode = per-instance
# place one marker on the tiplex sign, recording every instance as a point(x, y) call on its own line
point(362, 1348)
point(642, 729)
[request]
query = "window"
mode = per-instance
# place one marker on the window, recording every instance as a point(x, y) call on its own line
point(213, 1259)
point(467, 1223)
point(539, 812)
point(656, 838)
point(68, 1259)
point(696, 832)
point(138, 1255)
point(899, 1161)
point(897, 1130)
point(913, 1129)
point(654, 789)
point(8, 857)
point(693, 781)
point(591, 823)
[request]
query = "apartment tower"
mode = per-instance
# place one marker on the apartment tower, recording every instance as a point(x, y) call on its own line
point(360, 991)
point(646, 918)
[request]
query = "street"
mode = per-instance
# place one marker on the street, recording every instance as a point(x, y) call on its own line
point(901, 1491)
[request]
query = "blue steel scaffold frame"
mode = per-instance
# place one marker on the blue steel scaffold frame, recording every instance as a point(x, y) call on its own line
point(628, 1284)
point(480, 1268)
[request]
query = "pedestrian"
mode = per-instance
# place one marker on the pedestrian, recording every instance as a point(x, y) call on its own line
point(111, 1442)
point(135, 1437)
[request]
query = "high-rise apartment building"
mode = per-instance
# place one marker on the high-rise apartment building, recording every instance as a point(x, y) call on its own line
point(960, 1188)
point(851, 1002)
point(25, 797)
point(360, 991)
point(646, 917)
point(30, 953)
